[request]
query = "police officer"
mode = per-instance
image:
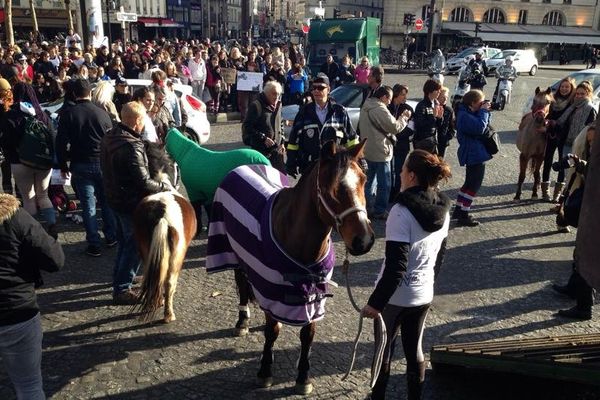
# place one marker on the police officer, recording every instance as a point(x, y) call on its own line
point(317, 122)
point(479, 70)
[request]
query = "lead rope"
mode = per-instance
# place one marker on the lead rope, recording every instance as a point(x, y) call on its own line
point(380, 341)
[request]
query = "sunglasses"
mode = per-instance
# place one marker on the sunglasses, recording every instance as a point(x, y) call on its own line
point(319, 88)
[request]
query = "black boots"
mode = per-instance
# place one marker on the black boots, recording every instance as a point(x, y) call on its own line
point(583, 293)
point(414, 382)
point(463, 218)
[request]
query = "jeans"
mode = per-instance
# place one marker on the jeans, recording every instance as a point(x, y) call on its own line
point(401, 151)
point(198, 88)
point(87, 182)
point(21, 354)
point(378, 174)
point(552, 146)
point(128, 260)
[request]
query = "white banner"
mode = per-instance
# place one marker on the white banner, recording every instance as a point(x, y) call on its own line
point(249, 81)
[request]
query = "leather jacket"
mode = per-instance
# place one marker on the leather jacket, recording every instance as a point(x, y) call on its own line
point(125, 171)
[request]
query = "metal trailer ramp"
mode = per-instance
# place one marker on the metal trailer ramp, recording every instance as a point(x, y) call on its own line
point(572, 358)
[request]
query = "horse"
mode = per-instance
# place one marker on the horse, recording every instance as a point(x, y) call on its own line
point(531, 140)
point(278, 239)
point(164, 224)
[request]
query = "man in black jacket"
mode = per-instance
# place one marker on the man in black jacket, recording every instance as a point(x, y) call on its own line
point(82, 126)
point(262, 129)
point(122, 95)
point(428, 113)
point(127, 181)
point(27, 249)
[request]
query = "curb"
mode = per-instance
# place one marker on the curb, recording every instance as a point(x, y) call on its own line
point(224, 117)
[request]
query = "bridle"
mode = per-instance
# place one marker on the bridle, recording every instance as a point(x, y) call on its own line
point(337, 218)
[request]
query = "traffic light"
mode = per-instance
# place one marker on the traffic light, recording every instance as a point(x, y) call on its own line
point(336, 13)
point(406, 19)
point(411, 19)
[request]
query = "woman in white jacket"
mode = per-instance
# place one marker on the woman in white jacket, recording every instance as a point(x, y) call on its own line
point(379, 127)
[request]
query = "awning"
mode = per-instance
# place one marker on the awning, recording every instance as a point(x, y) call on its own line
point(159, 22)
point(526, 33)
point(335, 30)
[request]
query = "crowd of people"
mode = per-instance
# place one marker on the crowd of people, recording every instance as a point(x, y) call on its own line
point(102, 131)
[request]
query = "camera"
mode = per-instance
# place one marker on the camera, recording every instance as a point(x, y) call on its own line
point(567, 162)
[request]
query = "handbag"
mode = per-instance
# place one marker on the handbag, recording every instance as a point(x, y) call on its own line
point(491, 140)
point(389, 136)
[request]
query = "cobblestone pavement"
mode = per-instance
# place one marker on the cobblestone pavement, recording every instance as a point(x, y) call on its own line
point(494, 285)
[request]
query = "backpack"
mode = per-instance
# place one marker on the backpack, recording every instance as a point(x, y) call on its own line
point(36, 148)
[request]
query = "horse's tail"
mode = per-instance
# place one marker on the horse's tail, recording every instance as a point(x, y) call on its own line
point(156, 269)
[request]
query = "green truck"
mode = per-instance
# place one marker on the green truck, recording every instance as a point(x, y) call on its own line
point(356, 37)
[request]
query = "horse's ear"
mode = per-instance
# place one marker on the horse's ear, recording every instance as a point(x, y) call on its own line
point(357, 150)
point(549, 90)
point(328, 150)
point(537, 90)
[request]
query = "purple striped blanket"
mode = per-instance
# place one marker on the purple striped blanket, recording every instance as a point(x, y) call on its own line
point(240, 235)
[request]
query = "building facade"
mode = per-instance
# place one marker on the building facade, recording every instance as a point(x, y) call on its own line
point(365, 8)
point(51, 17)
point(500, 21)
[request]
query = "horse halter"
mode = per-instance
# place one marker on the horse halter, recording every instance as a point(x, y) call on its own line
point(337, 218)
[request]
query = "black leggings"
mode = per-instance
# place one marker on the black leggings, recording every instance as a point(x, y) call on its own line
point(551, 147)
point(409, 321)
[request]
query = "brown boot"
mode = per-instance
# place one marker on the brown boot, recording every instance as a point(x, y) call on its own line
point(545, 193)
point(558, 189)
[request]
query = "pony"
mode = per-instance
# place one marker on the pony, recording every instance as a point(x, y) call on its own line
point(164, 225)
point(531, 140)
point(278, 239)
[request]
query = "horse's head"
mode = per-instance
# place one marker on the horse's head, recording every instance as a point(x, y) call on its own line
point(341, 196)
point(541, 104)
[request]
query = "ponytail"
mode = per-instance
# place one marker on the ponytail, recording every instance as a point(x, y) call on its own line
point(428, 168)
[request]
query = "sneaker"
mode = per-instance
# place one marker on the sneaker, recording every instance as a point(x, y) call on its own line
point(93, 251)
point(126, 298)
point(110, 242)
point(467, 220)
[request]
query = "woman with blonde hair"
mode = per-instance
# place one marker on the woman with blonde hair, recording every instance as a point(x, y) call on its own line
point(102, 96)
point(362, 71)
point(563, 97)
point(6, 99)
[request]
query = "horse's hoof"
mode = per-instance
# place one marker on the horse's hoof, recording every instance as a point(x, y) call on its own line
point(265, 382)
point(169, 318)
point(304, 389)
point(534, 196)
point(517, 198)
point(241, 331)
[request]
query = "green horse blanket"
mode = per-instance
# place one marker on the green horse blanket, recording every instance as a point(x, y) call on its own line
point(202, 170)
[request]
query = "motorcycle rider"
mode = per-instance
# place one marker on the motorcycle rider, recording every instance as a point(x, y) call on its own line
point(478, 69)
point(437, 67)
point(505, 71)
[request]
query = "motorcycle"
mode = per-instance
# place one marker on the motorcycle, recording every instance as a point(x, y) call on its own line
point(437, 67)
point(462, 86)
point(503, 91)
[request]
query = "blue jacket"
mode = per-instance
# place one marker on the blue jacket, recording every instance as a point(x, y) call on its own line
point(470, 129)
point(297, 84)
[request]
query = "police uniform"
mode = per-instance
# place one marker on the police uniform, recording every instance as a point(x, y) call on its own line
point(309, 133)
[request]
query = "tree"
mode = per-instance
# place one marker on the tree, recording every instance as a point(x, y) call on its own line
point(10, 35)
point(69, 15)
point(36, 30)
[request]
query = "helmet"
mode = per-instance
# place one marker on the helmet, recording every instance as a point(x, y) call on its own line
point(509, 58)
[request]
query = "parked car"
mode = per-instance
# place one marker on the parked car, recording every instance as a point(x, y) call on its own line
point(524, 61)
point(454, 63)
point(590, 75)
point(197, 127)
point(350, 96)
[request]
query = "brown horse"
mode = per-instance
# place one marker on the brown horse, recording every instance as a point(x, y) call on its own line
point(164, 225)
point(295, 222)
point(531, 140)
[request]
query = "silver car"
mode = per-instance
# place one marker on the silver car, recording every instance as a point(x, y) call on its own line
point(350, 96)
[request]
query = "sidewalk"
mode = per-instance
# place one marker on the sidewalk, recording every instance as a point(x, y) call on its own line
point(555, 66)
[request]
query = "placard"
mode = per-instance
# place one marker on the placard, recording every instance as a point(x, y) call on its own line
point(228, 75)
point(249, 81)
point(57, 179)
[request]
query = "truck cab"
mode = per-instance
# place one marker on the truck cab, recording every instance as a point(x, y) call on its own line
point(357, 37)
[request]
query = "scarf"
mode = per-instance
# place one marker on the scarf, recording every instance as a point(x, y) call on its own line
point(576, 117)
point(560, 103)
